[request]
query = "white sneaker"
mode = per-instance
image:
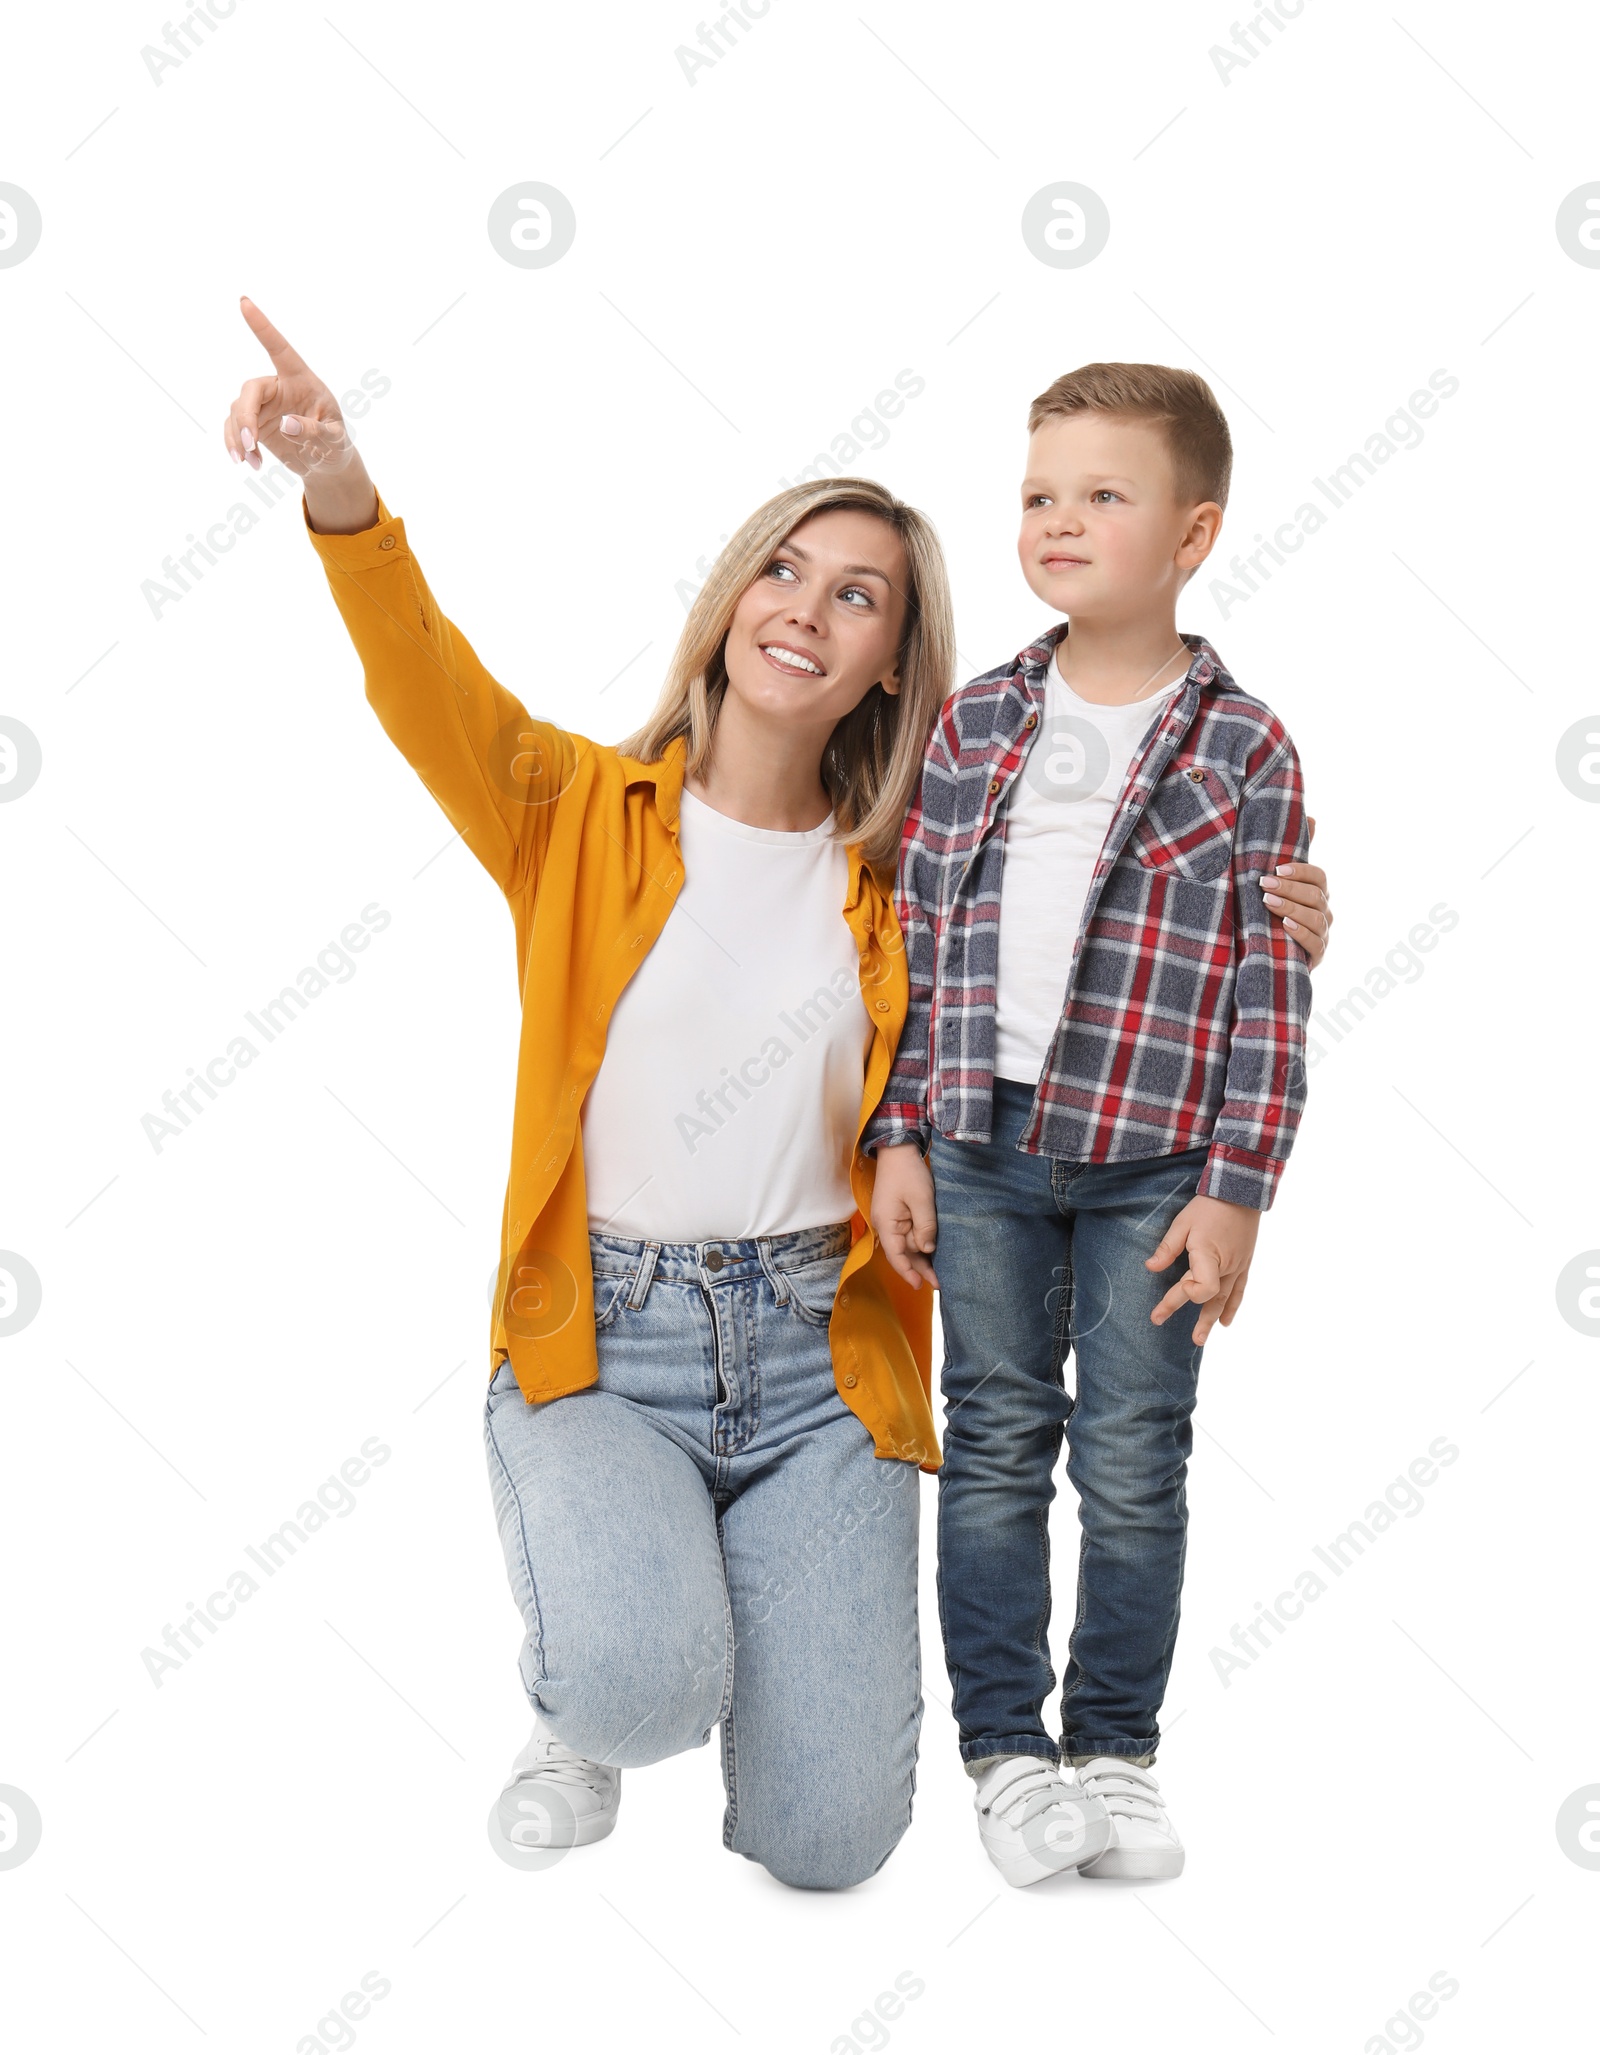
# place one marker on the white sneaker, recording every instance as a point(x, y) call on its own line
point(1144, 1842)
point(554, 1799)
point(1034, 1822)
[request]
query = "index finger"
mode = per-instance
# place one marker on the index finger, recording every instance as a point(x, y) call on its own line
point(1296, 894)
point(284, 355)
point(1301, 874)
point(1205, 1271)
point(1186, 1292)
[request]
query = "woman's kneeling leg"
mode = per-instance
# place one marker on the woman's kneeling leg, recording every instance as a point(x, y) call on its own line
point(820, 1743)
point(610, 1541)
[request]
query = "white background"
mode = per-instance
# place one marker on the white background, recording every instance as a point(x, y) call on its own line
point(224, 1321)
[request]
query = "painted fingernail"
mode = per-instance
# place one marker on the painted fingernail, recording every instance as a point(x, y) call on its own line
point(1291, 924)
point(291, 424)
point(1285, 870)
point(247, 438)
point(235, 456)
point(1272, 899)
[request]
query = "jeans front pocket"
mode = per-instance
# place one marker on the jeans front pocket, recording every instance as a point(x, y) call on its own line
point(813, 1287)
point(610, 1296)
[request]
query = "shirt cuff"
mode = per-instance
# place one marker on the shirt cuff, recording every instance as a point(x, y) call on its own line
point(1239, 1177)
point(891, 1126)
point(382, 543)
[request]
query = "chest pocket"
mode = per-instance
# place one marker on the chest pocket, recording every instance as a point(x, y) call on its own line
point(1186, 830)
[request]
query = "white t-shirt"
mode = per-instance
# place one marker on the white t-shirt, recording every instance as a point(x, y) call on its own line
point(727, 1102)
point(1058, 811)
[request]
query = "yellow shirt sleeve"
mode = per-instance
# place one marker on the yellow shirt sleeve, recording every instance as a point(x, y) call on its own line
point(495, 770)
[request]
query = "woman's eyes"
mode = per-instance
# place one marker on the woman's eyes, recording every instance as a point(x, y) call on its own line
point(849, 591)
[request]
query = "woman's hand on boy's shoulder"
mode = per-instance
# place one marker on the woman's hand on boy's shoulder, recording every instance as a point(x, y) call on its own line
point(1297, 894)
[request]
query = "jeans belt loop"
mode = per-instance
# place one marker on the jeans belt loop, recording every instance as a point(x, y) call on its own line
point(644, 1276)
point(774, 1276)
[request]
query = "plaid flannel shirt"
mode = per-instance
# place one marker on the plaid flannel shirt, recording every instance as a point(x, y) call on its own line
point(1185, 1004)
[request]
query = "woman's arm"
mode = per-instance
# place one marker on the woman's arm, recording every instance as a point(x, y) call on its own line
point(495, 771)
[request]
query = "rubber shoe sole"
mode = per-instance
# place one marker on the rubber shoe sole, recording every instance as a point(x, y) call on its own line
point(1144, 1865)
point(556, 1828)
point(1050, 1845)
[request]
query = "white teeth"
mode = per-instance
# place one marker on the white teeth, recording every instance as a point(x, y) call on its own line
point(795, 662)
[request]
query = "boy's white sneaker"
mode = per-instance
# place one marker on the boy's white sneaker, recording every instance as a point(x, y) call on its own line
point(1144, 1842)
point(1035, 1822)
point(554, 1799)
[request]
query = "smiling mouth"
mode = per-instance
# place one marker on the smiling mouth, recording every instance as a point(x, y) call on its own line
point(794, 660)
point(1055, 563)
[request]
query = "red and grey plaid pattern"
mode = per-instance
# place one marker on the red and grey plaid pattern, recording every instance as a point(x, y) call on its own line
point(1186, 1004)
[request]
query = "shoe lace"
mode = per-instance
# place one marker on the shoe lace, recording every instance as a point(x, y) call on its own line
point(560, 1765)
point(1127, 1789)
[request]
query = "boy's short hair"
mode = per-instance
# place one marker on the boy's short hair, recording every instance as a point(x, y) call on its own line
point(1179, 402)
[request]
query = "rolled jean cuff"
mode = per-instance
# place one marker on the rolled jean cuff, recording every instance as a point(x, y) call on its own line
point(1021, 1744)
point(1079, 1752)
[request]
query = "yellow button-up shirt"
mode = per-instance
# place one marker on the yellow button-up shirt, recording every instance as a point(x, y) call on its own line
point(583, 841)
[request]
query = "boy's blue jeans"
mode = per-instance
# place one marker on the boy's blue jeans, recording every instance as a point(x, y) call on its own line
point(1038, 1258)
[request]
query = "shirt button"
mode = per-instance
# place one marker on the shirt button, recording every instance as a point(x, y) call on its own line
point(994, 785)
point(714, 1260)
point(850, 1378)
point(1032, 721)
point(387, 542)
point(1197, 777)
point(882, 1005)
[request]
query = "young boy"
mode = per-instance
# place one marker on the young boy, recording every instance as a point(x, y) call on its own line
point(1103, 1060)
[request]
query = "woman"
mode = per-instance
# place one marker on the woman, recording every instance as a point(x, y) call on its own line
point(709, 1398)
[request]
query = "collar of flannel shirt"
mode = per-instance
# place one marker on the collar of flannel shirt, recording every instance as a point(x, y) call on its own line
point(1205, 666)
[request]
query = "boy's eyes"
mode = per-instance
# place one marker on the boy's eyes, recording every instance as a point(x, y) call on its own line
point(1043, 499)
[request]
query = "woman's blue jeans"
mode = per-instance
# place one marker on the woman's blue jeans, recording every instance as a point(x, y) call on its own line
point(708, 1537)
point(1039, 1258)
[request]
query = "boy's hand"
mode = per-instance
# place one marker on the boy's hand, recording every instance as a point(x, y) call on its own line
point(903, 1216)
point(1220, 1240)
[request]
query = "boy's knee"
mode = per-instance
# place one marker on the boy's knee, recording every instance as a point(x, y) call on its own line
point(1002, 1423)
point(1129, 1467)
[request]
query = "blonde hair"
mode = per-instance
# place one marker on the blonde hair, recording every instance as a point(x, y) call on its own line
point(1179, 403)
point(873, 758)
